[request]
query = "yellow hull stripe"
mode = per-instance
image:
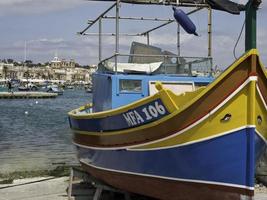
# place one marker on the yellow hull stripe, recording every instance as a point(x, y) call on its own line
point(261, 115)
point(213, 124)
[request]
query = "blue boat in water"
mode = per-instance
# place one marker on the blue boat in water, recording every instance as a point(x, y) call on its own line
point(160, 125)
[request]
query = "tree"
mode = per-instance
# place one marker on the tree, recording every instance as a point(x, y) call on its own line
point(9, 60)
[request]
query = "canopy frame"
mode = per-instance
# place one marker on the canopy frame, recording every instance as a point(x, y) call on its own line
point(117, 34)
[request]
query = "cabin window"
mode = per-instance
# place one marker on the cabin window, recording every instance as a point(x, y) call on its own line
point(127, 85)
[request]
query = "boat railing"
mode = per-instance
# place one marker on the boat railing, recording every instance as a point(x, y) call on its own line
point(157, 64)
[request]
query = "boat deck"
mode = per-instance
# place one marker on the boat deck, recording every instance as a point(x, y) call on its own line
point(26, 95)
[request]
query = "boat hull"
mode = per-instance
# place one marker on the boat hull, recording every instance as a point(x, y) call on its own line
point(210, 139)
point(162, 188)
point(220, 165)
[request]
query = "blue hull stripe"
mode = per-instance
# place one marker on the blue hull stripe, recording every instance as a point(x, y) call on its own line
point(227, 159)
point(131, 118)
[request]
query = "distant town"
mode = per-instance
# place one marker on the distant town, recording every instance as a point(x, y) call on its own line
point(57, 70)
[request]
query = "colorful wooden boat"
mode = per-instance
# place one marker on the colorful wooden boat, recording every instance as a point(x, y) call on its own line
point(208, 139)
point(201, 144)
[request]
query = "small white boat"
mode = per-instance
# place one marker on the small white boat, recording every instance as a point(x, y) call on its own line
point(70, 87)
point(54, 89)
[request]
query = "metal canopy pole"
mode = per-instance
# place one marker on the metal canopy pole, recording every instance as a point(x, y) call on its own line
point(178, 40)
point(138, 18)
point(169, 22)
point(209, 32)
point(117, 34)
point(100, 40)
point(112, 34)
point(147, 37)
point(91, 23)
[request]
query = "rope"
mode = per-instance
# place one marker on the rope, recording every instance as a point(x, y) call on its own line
point(249, 4)
point(234, 50)
point(28, 183)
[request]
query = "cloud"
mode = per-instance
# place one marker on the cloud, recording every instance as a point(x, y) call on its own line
point(85, 49)
point(25, 7)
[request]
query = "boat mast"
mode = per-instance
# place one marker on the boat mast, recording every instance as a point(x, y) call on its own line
point(251, 24)
point(209, 32)
point(25, 59)
point(117, 34)
point(100, 39)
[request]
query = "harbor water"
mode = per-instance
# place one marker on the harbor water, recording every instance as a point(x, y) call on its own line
point(35, 134)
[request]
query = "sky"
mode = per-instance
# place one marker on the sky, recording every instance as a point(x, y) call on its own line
point(49, 27)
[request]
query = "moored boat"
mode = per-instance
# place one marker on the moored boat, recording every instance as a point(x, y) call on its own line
point(54, 89)
point(28, 87)
point(167, 137)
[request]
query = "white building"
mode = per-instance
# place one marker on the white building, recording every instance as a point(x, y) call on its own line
point(56, 70)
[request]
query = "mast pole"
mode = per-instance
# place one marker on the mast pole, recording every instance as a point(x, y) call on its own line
point(178, 40)
point(100, 40)
point(178, 36)
point(117, 34)
point(209, 32)
point(251, 24)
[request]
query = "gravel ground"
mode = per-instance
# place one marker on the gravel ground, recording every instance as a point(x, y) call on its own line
point(47, 188)
point(260, 192)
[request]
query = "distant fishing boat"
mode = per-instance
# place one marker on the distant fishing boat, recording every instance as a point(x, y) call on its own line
point(70, 87)
point(163, 128)
point(28, 87)
point(54, 89)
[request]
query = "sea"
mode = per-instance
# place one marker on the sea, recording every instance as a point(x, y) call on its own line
point(35, 134)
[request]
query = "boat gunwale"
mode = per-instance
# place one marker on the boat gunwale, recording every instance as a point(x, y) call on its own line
point(97, 139)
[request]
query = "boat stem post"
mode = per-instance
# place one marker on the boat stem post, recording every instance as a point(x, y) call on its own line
point(252, 91)
point(251, 121)
point(100, 40)
point(251, 24)
point(117, 34)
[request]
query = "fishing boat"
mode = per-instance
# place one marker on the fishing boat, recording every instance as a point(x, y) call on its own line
point(54, 89)
point(165, 129)
point(28, 87)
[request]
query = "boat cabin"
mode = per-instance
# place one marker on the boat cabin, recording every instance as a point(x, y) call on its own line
point(128, 82)
point(124, 78)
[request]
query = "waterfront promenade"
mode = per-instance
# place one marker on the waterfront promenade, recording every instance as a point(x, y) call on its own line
point(26, 95)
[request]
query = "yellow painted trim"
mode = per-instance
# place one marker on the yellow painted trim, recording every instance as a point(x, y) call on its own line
point(213, 125)
point(128, 131)
point(75, 113)
point(261, 111)
point(167, 100)
point(86, 106)
point(145, 126)
point(251, 102)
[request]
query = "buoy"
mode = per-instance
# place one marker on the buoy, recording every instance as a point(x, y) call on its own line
point(36, 102)
point(26, 113)
point(182, 18)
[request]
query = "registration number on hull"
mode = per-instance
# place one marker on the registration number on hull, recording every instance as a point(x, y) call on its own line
point(145, 114)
